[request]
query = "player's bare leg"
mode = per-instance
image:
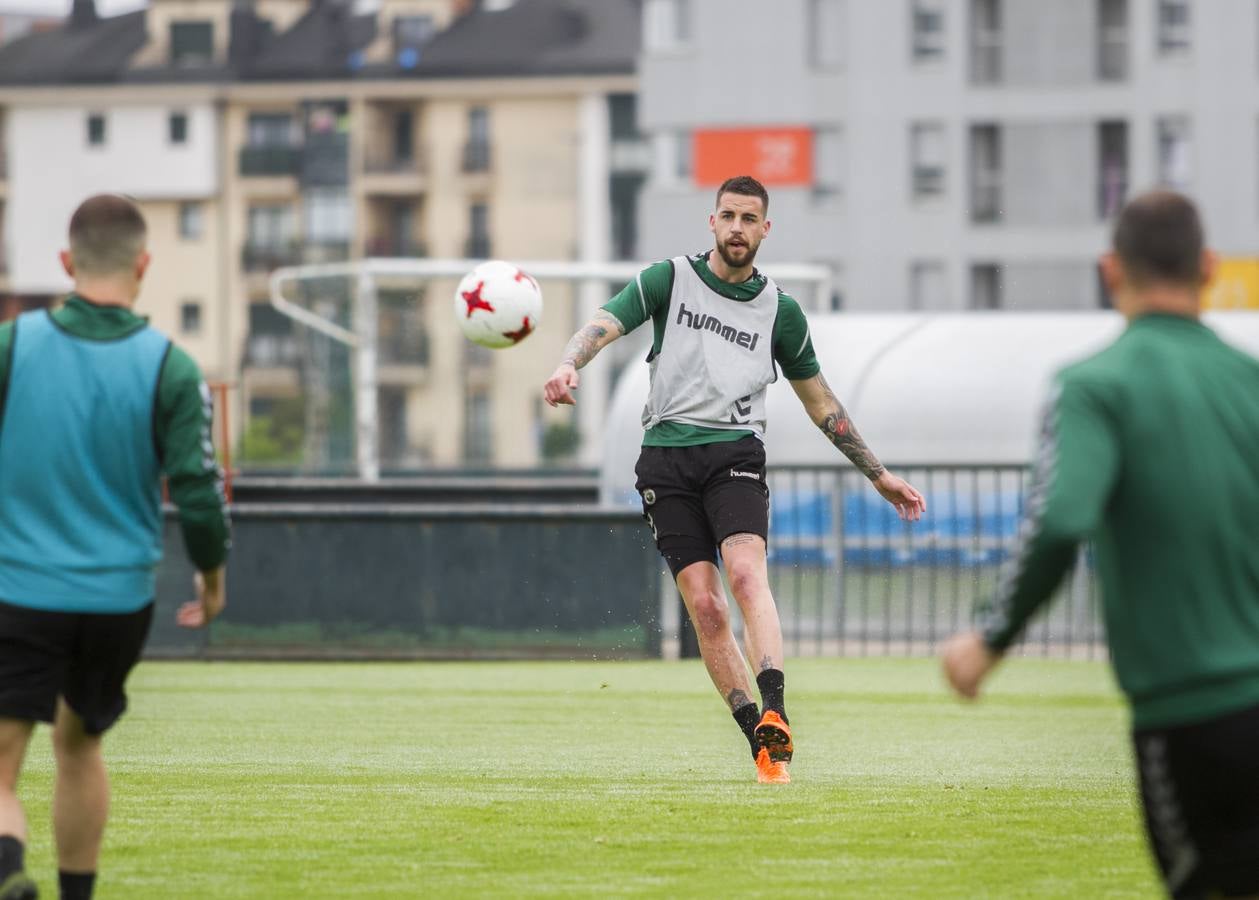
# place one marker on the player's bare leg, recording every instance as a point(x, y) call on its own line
point(705, 599)
point(15, 734)
point(748, 570)
point(81, 794)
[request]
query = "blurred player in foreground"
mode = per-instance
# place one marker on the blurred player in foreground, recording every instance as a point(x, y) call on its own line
point(1151, 450)
point(94, 406)
point(722, 331)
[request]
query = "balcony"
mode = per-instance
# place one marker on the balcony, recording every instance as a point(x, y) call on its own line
point(326, 160)
point(263, 257)
point(272, 351)
point(402, 339)
point(391, 174)
point(269, 160)
point(395, 247)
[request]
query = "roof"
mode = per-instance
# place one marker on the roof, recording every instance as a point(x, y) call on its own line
point(530, 38)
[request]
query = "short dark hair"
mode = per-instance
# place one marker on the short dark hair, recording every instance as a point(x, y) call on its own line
point(747, 186)
point(107, 233)
point(1158, 238)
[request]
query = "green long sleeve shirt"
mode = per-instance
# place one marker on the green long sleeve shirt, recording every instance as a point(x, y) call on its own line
point(1151, 449)
point(182, 424)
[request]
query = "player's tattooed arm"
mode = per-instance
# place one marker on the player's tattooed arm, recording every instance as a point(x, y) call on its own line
point(600, 331)
point(829, 415)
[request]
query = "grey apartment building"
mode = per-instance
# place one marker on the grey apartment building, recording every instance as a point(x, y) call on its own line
point(962, 154)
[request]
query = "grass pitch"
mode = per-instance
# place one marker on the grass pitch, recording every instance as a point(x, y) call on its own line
point(608, 780)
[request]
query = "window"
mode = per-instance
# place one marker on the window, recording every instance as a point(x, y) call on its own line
point(271, 225)
point(928, 285)
point(1112, 168)
point(177, 128)
point(668, 24)
point(927, 154)
point(985, 173)
point(985, 286)
point(985, 41)
point(413, 32)
point(190, 317)
point(478, 231)
point(190, 221)
point(927, 39)
point(623, 117)
point(478, 433)
point(1175, 163)
point(96, 130)
point(1173, 27)
point(829, 163)
point(476, 153)
point(327, 215)
point(827, 32)
point(271, 130)
point(680, 152)
point(191, 43)
point(1112, 40)
point(625, 188)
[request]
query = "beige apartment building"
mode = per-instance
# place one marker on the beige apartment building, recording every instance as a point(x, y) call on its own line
point(286, 133)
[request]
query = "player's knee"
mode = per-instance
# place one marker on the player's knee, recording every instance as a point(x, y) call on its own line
point(712, 612)
point(73, 746)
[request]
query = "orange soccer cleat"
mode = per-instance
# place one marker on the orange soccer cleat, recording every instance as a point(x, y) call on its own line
point(768, 771)
point(774, 735)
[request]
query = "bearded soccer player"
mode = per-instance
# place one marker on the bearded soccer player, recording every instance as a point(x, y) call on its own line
point(1150, 449)
point(94, 406)
point(722, 329)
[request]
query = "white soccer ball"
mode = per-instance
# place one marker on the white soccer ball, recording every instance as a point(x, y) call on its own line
point(498, 304)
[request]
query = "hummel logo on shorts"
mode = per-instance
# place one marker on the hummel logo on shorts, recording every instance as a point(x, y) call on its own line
point(735, 473)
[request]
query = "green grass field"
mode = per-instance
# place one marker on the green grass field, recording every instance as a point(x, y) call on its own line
point(608, 780)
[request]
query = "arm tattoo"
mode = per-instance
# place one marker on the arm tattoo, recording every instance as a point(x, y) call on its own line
point(583, 346)
point(840, 431)
point(737, 699)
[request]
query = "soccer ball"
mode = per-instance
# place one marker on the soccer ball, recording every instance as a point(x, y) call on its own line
point(498, 304)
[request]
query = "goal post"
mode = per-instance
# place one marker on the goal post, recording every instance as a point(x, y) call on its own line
point(361, 337)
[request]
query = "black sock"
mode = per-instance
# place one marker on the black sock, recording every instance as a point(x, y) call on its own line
point(76, 885)
point(11, 856)
point(771, 684)
point(747, 716)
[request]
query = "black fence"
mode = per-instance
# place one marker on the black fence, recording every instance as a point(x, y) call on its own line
point(345, 576)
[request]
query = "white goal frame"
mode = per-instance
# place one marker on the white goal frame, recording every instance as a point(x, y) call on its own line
point(361, 337)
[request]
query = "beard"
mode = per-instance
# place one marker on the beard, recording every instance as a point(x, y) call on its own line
point(749, 254)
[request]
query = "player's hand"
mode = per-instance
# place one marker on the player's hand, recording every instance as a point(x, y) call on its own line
point(910, 505)
point(211, 598)
point(560, 386)
point(967, 660)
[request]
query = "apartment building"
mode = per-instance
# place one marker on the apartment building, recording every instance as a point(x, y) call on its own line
point(282, 132)
point(953, 154)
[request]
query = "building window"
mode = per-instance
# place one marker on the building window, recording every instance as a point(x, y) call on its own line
point(668, 24)
point(928, 285)
point(177, 128)
point(927, 155)
point(1175, 163)
point(191, 43)
point(1173, 27)
point(271, 130)
point(827, 32)
point(478, 434)
point(476, 153)
point(623, 117)
point(927, 40)
point(272, 234)
point(682, 156)
point(985, 286)
point(985, 41)
point(190, 317)
point(327, 215)
point(1112, 40)
point(190, 221)
point(985, 173)
point(625, 188)
point(829, 162)
point(1112, 168)
point(96, 130)
point(478, 231)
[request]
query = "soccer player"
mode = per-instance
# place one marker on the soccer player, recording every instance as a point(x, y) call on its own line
point(1150, 449)
point(94, 406)
point(722, 330)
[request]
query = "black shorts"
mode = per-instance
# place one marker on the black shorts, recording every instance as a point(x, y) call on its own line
point(696, 497)
point(84, 657)
point(1200, 790)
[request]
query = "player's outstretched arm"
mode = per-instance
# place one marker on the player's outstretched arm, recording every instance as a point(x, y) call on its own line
point(211, 588)
point(596, 334)
point(829, 415)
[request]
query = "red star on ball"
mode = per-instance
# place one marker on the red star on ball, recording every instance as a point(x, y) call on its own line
point(517, 336)
point(475, 301)
point(522, 275)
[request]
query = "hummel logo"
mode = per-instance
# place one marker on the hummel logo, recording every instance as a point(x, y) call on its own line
point(735, 473)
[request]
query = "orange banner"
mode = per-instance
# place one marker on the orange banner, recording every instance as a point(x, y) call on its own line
point(773, 156)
